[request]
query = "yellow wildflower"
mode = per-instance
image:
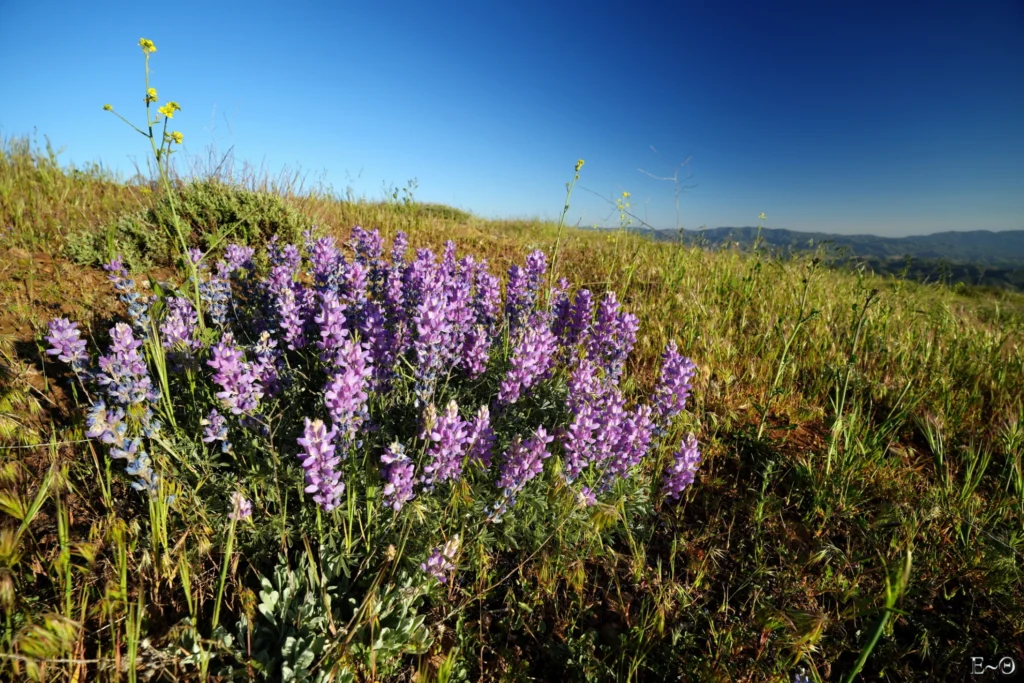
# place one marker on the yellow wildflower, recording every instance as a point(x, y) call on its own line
point(150, 95)
point(169, 109)
point(579, 165)
point(147, 45)
point(108, 107)
point(762, 217)
point(177, 137)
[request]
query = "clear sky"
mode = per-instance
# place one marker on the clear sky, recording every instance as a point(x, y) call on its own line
point(845, 116)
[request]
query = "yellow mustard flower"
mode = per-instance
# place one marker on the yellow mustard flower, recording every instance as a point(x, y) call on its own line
point(108, 107)
point(150, 95)
point(177, 137)
point(579, 165)
point(147, 45)
point(625, 195)
point(762, 217)
point(169, 109)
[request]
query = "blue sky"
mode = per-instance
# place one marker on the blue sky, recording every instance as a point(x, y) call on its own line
point(890, 118)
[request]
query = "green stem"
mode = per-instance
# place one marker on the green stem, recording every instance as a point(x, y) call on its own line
point(224, 574)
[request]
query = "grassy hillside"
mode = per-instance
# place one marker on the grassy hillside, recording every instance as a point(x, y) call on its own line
point(860, 503)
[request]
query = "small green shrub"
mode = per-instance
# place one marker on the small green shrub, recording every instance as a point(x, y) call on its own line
point(140, 243)
point(211, 214)
point(214, 213)
point(444, 212)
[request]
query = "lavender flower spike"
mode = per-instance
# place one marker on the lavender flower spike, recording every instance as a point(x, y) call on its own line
point(448, 436)
point(525, 461)
point(681, 472)
point(66, 343)
point(241, 508)
point(531, 359)
point(319, 461)
point(439, 564)
point(398, 476)
point(674, 385)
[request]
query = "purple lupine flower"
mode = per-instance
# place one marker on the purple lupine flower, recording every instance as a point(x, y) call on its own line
point(674, 384)
point(595, 431)
point(458, 289)
point(241, 507)
point(331, 320)
point(517, 297)
point(486, 296)
point(138, 305)
point(398, 248)
point(561, 307)
point(380, 341)
point(587, 497)
point(680, 473)
point(634, 439)
point(179, 326)
point(578, 441)
point(580, 314)
point(431, 330)
point(448, 436)
point(265, 365)
point(239, 257)
point(612, 336)
point(532, 357)
point(106, 424)
point(66, 343)
point(353, 289)
point(289, 311)
point(475, 351)
point(241, 391)
point(524, 461)
point(398, 475)
point(439, 563)
point(290, 257)
point(369, 248)
point(137, 464)
point(318, 460)
point(124, 373)
point(481, 438)
point(215, 293)
point(393, 303)
point(523, 287)
point(216, 429)
point(345, 394)
point(326, 264)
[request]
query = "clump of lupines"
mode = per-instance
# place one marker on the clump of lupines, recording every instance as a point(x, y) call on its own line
point(341, 339)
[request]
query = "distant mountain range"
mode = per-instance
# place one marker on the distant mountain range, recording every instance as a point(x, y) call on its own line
point(982, 247)
point(976, 257)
